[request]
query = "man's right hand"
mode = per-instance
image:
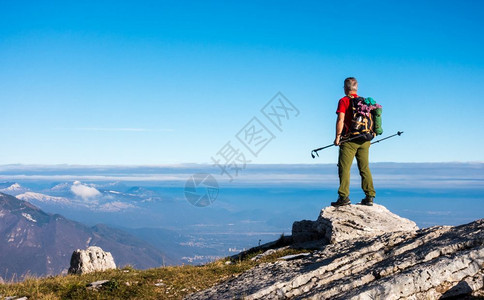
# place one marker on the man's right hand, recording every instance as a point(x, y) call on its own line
point(339, 128)
point(337, 140)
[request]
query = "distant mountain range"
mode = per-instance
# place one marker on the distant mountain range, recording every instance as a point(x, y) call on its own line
point(37, 243)
point(79, 195)
point(150, 213)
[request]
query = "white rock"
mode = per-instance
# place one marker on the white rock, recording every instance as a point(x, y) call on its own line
point(91, 260)
point(336, 224)
point(295, 256)
point(96, 284)
point(259, 256)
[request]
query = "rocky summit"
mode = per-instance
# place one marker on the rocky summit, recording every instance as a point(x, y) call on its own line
point(362, 252)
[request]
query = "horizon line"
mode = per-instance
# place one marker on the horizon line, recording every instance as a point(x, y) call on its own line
point(211, 164)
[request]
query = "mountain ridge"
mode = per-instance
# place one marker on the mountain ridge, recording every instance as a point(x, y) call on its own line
point(37, 243)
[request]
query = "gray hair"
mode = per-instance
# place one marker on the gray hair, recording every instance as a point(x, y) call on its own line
point(350, 84)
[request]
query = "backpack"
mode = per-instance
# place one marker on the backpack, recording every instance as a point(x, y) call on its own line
point(366, 119)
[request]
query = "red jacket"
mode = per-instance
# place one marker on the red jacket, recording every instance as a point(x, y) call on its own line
point(344, 106)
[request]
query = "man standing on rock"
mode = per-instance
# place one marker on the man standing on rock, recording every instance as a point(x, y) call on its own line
point(351, 149)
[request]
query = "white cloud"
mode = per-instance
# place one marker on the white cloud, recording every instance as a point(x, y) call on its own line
point(84, 191)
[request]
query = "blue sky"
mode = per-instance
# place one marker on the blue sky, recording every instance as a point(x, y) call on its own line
point(166, 82)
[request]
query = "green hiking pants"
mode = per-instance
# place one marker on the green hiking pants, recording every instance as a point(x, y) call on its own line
point(348, 151)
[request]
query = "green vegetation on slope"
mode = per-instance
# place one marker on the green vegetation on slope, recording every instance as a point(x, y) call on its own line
point(128, 283)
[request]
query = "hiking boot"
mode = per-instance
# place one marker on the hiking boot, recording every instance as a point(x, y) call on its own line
point(367, 201)
point(342, 201)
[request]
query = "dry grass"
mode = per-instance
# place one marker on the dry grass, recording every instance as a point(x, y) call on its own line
point(128, 283)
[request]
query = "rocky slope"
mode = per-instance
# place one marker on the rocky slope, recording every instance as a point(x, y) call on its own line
point(364, 252)
point(37, 243)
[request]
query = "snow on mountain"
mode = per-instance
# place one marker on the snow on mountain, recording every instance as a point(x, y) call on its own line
point(31, 196)
point(144, 194)
point(5, 184)
point(115, 206)
point(61, 187)
point(113, 186)
point(104, 192)
point(14, 189)
point(75, 194)
point(29, 217)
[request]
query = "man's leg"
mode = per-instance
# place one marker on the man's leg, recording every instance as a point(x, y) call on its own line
point(346, 155)
point(362, 158)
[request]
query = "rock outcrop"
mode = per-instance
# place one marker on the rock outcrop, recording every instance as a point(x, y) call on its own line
point(336, 224)
point(96, 284)
point(367, 253)
point(91, 260)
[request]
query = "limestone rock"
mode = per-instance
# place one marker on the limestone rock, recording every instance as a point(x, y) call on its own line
point(305, 231)
point(336, 224)
point(91, 260)
point(366, 254)
point(268, 252)
point(295, 256)
point(259, 256)
point(96, 284)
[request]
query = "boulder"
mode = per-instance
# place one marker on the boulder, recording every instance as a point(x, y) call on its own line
point(336, 224)
point(91, 260)
point(96, 284)
point(268, 252)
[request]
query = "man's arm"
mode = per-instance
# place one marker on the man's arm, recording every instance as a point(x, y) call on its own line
point(340, 121)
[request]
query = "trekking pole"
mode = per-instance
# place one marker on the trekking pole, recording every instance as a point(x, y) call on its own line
point(315, 151)
point(399, 133)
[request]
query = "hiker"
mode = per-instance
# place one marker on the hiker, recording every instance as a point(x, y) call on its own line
point(358, 148)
